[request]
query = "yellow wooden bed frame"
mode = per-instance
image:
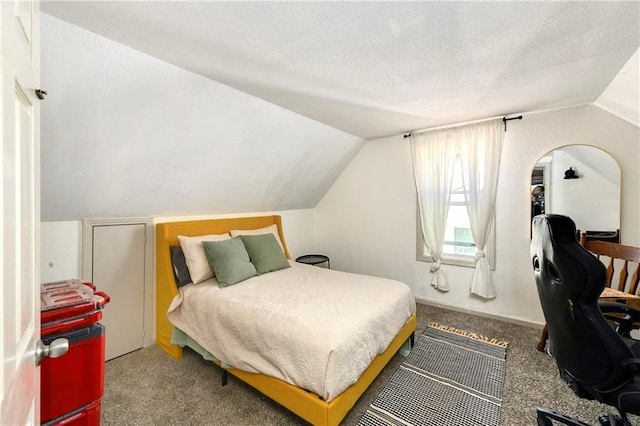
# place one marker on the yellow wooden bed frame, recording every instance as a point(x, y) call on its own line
point(305, 404)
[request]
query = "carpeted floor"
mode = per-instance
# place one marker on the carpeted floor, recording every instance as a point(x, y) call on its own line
point(147, 387)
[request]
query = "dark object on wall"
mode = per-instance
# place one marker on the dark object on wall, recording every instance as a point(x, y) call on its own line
point(505, 119)
point(570, 174)
point(594, 360)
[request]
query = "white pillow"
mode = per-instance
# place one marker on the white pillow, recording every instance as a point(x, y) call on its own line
point(195, 256)
point(272, 229)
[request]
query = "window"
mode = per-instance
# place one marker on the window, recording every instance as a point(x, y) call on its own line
point(459, 248)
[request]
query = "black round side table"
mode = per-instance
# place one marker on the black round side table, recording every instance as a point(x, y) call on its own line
point(314, 259)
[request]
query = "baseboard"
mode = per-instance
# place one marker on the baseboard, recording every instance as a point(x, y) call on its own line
point(517, 321)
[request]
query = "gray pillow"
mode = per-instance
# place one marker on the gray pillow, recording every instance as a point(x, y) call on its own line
point(180, 270)
point(230, 260)
point(265, 253)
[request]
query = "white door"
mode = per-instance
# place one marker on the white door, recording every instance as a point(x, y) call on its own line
point(20, 211)
point(119, 270)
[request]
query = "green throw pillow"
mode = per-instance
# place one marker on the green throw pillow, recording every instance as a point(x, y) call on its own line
point(265, 253)
point(230, 260)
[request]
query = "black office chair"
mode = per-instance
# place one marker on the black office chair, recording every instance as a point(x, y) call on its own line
point(596, 361)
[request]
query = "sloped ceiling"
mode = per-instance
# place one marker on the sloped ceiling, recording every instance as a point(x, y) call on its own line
point(622, 96)
point(377, 69)
point(126, 134)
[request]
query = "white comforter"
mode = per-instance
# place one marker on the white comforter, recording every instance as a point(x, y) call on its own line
point(315, 328)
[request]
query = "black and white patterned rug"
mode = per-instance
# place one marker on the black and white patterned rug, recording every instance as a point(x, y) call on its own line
point(451, 377)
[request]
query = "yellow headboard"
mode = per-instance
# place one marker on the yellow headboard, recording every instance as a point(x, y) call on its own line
point(167, 236)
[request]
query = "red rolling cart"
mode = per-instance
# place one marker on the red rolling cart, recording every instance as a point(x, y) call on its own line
point(72, 385)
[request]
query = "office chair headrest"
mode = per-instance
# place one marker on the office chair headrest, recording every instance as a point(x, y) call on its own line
point(554, 242)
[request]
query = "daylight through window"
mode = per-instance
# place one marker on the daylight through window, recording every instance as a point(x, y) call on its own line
point(458, 239)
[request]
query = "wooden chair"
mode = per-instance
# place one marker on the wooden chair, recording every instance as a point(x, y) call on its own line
point(625, 257)
point(617, 257)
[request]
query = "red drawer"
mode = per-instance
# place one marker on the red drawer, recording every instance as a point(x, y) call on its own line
point(88, 416)
point(69, 324)
point(76, 379)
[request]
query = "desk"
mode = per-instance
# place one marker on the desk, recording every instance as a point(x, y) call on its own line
point(607, 295)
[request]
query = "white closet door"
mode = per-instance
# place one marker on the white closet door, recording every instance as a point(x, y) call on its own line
point(119, 270)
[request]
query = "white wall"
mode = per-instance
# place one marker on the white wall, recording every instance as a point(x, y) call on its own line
point(366, 222)
point(60, 250)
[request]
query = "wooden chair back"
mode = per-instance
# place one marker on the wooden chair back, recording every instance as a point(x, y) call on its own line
point(625, 257)
point(610, 236)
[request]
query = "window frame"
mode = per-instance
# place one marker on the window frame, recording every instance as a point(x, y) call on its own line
point(453, 259)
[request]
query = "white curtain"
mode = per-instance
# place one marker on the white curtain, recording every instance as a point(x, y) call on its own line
point(433, 158)
point(480, 149)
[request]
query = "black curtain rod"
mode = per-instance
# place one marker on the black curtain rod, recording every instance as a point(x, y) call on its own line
point(504, 120)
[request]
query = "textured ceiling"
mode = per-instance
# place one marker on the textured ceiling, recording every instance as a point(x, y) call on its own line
point(377, 69)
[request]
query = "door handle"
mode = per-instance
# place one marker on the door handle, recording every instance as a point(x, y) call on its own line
point(55, 349)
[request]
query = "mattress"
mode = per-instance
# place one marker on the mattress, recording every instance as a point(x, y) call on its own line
point(315, 328)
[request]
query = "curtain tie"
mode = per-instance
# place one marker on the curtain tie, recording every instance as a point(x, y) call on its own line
point(435, 266)
point(480, 254)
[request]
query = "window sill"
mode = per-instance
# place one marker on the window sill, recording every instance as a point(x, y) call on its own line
point(464, 261)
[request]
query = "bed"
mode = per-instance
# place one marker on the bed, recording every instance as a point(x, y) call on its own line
point(336, 402)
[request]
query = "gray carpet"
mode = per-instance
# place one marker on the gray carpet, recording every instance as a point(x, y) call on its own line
point(147, 387)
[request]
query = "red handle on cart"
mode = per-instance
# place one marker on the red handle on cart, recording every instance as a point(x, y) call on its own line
point(67, 324)
point(105, 297)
